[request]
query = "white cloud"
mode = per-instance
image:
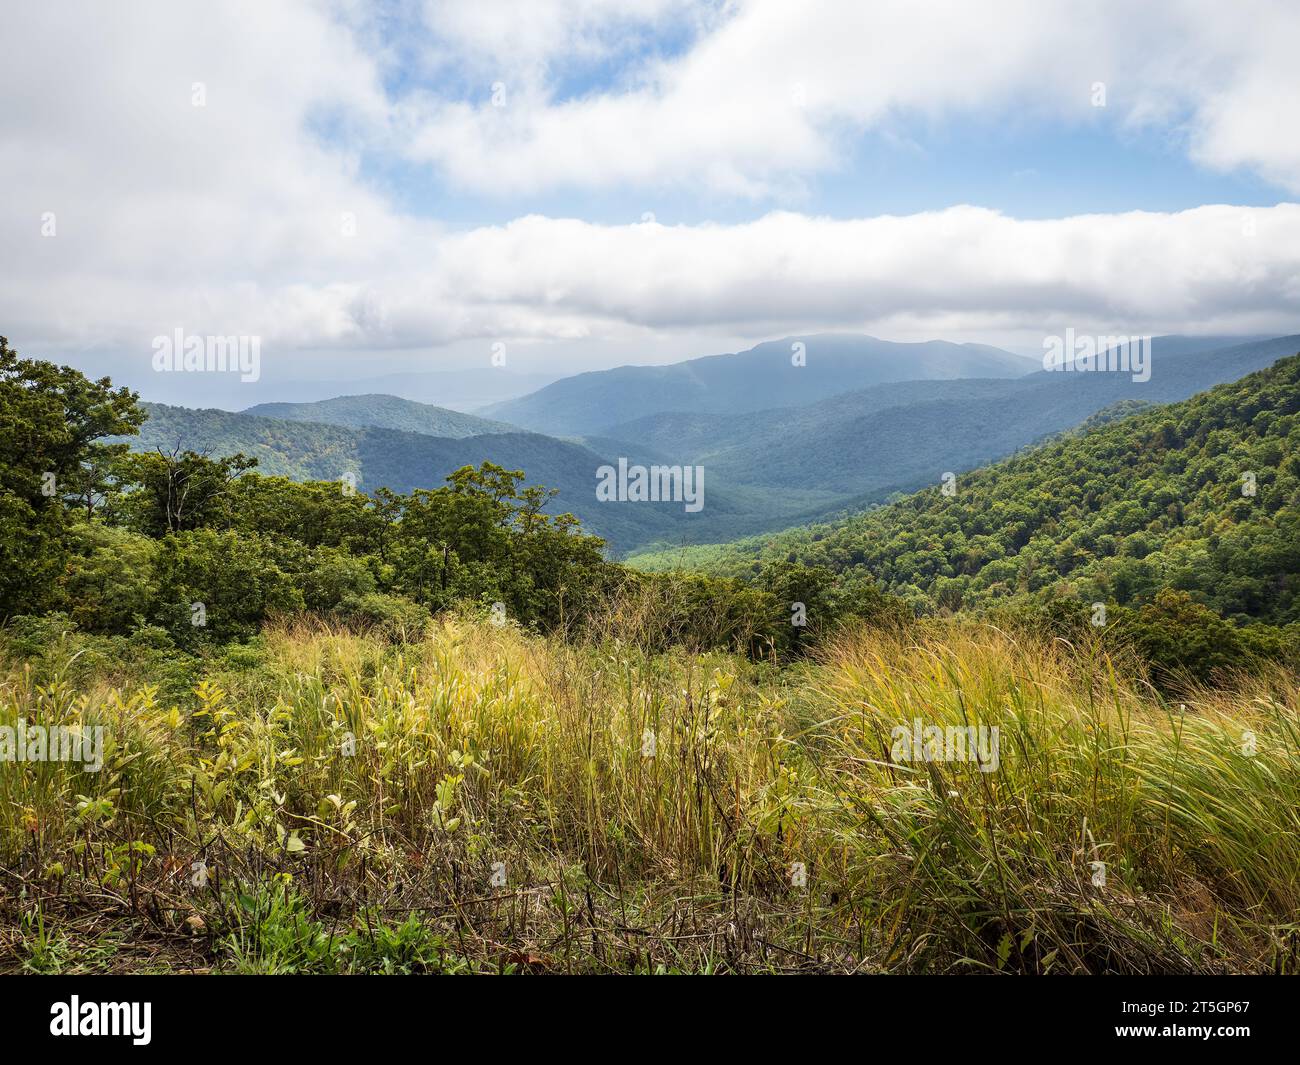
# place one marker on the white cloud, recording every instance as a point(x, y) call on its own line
point(963, 272)
point(162, 207)
point(774, 91)
point(1208, 269)
point(227, 218)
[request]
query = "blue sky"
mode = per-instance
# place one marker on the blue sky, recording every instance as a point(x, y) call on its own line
point(1018, 161)
point(1037, 170)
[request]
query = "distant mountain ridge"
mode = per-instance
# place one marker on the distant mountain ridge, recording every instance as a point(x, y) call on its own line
point(1202, 495)
point(760, 378)
point(404, 461)
point(900, 436)
point(380, 411)
point(462, 390)
point(765, 470)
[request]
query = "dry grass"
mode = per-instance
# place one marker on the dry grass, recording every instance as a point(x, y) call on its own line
point(352, 801)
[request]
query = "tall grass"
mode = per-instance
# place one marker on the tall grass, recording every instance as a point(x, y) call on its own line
point(1197, 839)
point(535, 804)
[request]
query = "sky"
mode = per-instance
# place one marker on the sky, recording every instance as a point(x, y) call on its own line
point(572, 184)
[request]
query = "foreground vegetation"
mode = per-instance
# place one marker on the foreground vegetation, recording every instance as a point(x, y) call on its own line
point(478, 799)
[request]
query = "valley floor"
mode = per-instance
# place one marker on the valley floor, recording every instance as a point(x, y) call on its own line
point(483, 800)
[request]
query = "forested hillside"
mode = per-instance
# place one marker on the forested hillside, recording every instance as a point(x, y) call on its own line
point(405, 461)
point(857, 448)
point(1201, 496)
point(766, 469)
point(118, 533)
point(377, 411)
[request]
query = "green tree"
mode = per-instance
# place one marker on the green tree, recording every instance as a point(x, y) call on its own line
point(177, 491)
point(52, 424)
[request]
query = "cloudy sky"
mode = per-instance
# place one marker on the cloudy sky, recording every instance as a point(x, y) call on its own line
point(400, 186)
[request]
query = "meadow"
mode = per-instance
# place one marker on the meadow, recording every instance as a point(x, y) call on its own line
point(470, 797)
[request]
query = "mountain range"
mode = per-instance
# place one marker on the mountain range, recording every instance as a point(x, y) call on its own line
point(402, 461)
point(377, 411)
point(773, 458)
point(775, 373)
point(462, 390)
point(1201, 496)
point(899, 436)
